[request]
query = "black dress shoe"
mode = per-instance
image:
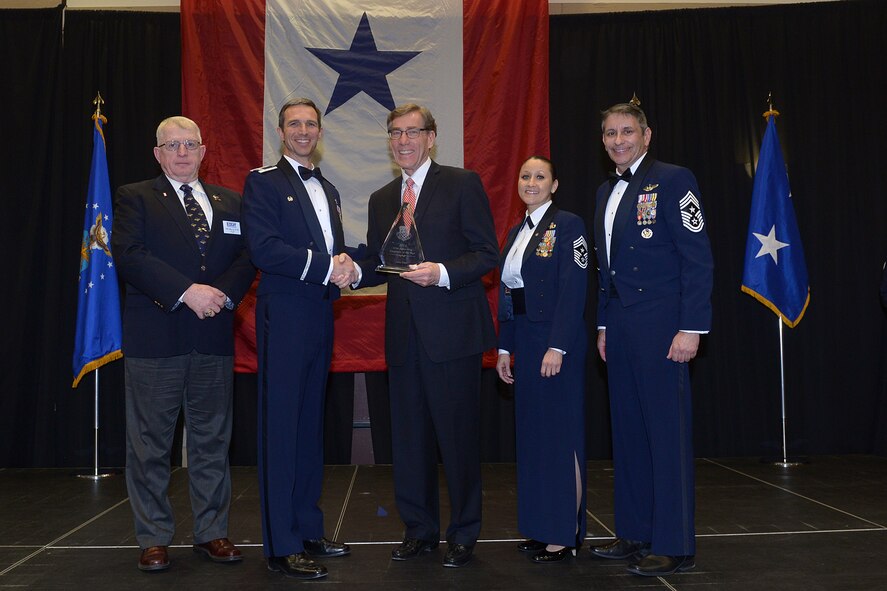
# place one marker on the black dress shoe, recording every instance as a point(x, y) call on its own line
point(531, 546)
point(457, 555)
point(544, 557)
point(297, 566)
point(324, 548)
point(413, 547)
point(654, 565)
point(620, 549)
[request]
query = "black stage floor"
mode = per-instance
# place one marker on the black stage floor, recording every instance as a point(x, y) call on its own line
point(822, 525)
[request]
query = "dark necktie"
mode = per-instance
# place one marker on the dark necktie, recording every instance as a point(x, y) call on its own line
point(530, 223)
point(615, 178)
point(307, 173)
point(198, 219)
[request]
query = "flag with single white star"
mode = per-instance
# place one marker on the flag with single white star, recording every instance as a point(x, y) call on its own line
point(775, 271)
point(98, 337)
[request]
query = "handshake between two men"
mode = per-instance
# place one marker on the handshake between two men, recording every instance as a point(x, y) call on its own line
point(346, 272)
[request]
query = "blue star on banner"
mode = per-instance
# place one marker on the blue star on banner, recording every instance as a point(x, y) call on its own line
point(362, 68)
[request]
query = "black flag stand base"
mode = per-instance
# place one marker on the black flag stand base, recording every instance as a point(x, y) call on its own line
point(94, 474)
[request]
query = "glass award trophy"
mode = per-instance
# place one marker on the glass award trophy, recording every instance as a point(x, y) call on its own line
point(402, 247)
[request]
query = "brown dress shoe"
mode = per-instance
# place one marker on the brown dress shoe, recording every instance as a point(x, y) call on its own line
point(154, 558)
point(220, 550)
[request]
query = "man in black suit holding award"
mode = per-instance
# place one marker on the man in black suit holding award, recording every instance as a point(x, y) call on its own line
point(437, 326)
point(179, 248)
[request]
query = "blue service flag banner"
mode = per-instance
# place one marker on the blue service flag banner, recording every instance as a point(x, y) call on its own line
point(98, 338)
point(775, 272)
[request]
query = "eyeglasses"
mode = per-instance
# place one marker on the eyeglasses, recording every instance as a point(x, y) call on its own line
point(412, 133)
point(173, 146)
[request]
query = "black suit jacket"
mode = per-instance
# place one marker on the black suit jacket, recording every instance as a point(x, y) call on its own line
point(158, 259)
point(456, 229)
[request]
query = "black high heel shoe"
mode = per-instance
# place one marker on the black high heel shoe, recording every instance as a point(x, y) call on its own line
point(544, 557)
point(531, 546)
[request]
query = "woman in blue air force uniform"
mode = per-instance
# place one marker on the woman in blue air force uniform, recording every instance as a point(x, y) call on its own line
point(541, 303)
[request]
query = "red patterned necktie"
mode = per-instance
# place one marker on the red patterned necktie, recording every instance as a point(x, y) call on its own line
point(409, 198)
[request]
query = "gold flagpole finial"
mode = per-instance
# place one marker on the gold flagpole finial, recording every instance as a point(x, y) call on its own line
point(770, 110)
point(98, 101)
point(634, 100)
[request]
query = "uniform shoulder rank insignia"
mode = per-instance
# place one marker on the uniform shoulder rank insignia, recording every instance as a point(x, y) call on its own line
point(264, 169)
point(646, 209)
point(650, 187)
point(580, 252)
point(547, 245)
point(691, 213)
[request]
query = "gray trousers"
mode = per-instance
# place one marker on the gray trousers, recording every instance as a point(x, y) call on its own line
point(156, 390)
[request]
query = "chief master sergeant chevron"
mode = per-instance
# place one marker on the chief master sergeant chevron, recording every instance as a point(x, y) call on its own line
point(655, 269)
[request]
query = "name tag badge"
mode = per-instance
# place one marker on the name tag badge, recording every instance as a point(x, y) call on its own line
point(231, 227)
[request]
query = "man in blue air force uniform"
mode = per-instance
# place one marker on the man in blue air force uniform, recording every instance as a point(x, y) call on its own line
point(293, 227)
point(654, 301)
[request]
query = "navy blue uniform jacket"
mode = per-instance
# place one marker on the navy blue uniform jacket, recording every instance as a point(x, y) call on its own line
point(672, 258)
point(554, 282)
point(282, 227)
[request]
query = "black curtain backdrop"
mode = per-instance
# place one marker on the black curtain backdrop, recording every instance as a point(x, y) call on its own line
point(703, 77)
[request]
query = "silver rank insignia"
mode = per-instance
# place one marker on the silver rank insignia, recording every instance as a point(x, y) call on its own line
point(646, 209)
point(691, 213)
point(580, 252)
point(646, 233)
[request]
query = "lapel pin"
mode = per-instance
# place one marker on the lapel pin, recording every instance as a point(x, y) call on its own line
point(289, 197)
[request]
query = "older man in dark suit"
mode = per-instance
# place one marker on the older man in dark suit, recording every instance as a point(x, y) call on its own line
point(178, 247)
point(292, 220)
point(437, 326)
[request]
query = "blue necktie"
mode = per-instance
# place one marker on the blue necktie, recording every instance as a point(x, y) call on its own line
point(198, 219)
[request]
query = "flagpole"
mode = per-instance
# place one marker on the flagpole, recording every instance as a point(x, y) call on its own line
point(777, 278)
point(96, 475)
